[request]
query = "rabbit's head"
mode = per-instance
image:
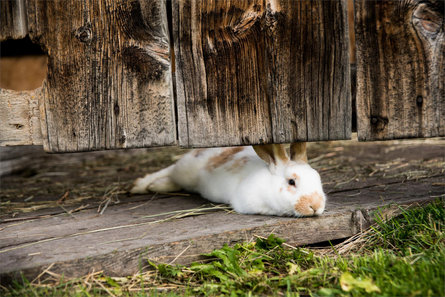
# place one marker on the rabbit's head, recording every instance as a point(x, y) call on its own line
point(296, 186)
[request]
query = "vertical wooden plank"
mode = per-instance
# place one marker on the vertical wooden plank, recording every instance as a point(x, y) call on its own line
point(108, 83)
point(13, 19)
point(252, 72)
point(221, 94)
point(309, 76)
point(400, 69)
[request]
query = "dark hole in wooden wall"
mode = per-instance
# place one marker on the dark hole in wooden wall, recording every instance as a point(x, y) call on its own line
point(23, 64)
point(20, 47)
point(172, 60)
point(352, 60)
point(353, 97)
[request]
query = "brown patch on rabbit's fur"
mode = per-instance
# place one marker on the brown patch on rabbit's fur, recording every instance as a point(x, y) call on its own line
point(309, 204)
point(225, 156)
point(238, 164)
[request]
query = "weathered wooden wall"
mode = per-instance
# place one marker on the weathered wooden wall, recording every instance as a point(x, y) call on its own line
point(249, 72)
point(108, 82)
point(400, 69)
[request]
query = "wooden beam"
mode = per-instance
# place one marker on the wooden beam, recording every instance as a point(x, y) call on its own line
point(20, 118)
point(109, 81)
point(13, 19)
point(21, 159)
point(251, 72)
point(400, 69)
point(119, 244)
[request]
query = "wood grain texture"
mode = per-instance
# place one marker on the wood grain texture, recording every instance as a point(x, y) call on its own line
point(251, 72)
point(20, 118)
point(402, 172)
point(400, 69)
point(351, 22)
point(118, 241)
point(13, 21)
point(108, 83)
point(19, 159)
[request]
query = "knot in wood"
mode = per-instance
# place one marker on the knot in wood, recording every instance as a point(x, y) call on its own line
point(116, 109)
point(18, 126)
point(419, 100)
point(84, 33)
point(379, 123)
point(122, 139)
point(428, 17)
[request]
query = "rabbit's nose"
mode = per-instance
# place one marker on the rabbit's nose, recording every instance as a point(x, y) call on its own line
point(310, 204)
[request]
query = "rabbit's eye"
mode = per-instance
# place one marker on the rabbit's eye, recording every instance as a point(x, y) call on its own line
point(291, 182)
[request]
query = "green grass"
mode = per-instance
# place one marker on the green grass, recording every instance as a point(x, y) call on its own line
point(403, 256)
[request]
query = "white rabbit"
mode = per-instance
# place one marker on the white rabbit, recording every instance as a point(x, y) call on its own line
point(253, 180)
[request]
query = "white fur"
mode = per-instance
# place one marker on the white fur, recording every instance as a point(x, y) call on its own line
point(253, 188)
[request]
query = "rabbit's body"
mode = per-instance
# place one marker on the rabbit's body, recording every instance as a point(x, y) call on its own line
point(216, 173)
point(238, 176)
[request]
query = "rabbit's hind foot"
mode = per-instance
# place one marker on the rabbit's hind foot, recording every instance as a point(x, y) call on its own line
point(159, 181)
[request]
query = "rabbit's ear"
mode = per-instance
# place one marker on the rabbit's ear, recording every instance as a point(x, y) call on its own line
point(271, 153)
point(298, 152)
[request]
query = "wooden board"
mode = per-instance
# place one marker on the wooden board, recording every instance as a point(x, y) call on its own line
point(400, 69)
point(252, 72)
point(20, 118)
point(13, 21)
point(119, 242)
point(19, 158)
point(108, 83)
point(36, 230)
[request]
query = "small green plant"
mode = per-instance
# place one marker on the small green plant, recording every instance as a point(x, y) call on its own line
point(403, 256)
point(414, 231)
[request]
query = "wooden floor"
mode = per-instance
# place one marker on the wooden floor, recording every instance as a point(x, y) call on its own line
point(72, 213)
